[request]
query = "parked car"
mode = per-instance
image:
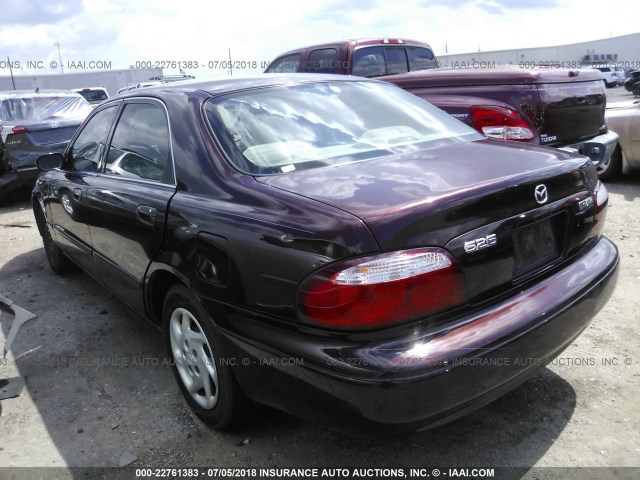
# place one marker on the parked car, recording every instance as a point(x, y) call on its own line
point(331, 246)
point(159, 80)
point(135, 86)
point(33, 123)
point(173, 78)
point(624, 118)
point(93, 95)
point(610, 76)
point(632, 83)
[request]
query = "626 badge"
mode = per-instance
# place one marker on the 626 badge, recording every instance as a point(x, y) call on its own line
point(480, 243)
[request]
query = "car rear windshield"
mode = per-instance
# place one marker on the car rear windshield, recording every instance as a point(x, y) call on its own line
point(36, 108)
point(94, 95)
point(279, 130)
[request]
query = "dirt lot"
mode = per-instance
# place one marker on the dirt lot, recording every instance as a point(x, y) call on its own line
point(97, 393)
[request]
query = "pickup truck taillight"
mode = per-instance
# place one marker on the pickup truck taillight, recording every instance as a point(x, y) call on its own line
point(501, 122)
point(383, 289)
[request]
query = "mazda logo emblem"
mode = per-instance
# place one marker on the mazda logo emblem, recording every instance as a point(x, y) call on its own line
point(540, 193)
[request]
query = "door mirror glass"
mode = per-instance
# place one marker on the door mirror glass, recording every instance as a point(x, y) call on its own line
point(50, 161)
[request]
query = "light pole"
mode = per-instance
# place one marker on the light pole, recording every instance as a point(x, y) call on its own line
point(57, 44)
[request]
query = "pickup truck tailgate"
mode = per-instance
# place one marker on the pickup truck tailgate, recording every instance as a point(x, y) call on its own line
point(571, 112)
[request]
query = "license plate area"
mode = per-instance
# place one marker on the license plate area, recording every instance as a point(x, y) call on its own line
point(537, 245)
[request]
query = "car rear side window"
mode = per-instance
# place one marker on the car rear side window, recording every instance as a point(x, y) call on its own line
point(288, 64)
point(322, 61)
point(140, 145)
point(90, 143)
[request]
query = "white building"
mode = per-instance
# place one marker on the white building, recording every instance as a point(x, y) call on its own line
point(623, 51)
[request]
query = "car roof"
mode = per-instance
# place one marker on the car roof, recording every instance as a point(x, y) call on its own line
point(32, 93)
point(84, 89)
point(235, 84)
point(359, 42)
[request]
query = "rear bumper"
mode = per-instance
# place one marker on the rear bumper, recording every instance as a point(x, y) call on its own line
point(598, 149)
point(423, 378)
point(18, 178)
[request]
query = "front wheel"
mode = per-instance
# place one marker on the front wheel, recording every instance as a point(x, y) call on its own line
point(206, 381)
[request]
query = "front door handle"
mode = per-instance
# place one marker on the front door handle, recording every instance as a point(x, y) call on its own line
point(146, 214)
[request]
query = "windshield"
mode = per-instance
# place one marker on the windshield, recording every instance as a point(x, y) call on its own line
point(35, 108)
point(282, 129)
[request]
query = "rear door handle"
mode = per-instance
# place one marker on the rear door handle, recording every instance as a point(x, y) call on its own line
point(146, 214)
point(77, 193)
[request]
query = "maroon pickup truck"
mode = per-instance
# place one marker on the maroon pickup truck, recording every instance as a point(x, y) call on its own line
point(554, 107)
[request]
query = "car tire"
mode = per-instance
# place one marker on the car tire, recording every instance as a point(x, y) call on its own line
point(58, 261)
point(193, 347)
point(612, 168)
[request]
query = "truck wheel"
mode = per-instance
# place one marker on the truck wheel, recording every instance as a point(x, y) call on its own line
point(207, 383)
point(58, 261)
point(612, 168)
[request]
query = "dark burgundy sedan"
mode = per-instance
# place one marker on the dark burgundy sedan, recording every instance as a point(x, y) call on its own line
point(333, 247)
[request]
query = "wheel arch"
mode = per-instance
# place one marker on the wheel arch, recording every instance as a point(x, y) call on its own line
point(41, 220)
point(157, 284)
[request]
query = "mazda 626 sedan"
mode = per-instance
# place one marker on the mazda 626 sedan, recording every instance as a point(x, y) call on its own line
point(333, 247)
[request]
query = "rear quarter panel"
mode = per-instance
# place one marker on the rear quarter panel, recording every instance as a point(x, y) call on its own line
point(625, 121)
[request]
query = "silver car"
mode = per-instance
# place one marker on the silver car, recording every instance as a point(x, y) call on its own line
point(624, 119)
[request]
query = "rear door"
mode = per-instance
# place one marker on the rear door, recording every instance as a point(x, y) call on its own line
point(128, 198)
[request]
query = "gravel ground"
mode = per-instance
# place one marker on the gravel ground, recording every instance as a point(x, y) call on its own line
point(97, 394)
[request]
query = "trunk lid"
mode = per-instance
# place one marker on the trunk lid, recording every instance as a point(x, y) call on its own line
point(451, 197)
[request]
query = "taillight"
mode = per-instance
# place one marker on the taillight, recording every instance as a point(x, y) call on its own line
point(601, 195)
point(382, 289)
point(601, 200)
point(500, 122)
point(19, 129)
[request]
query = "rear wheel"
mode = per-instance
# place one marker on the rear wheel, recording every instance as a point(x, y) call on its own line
point(612, 168)
point(58, 261)
point(192, 344)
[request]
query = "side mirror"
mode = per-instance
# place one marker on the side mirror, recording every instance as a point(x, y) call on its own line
point(50, 161)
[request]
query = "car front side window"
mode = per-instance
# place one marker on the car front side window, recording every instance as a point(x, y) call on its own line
point(369, 62)
point(288, 64)
point(322, 61)
point(421, 58)
point(87, 149)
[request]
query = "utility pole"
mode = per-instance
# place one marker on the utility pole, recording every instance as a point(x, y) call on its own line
point(13, 82)
point(57, 44)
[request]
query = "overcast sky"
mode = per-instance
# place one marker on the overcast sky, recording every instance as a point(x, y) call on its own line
point(124, 32)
